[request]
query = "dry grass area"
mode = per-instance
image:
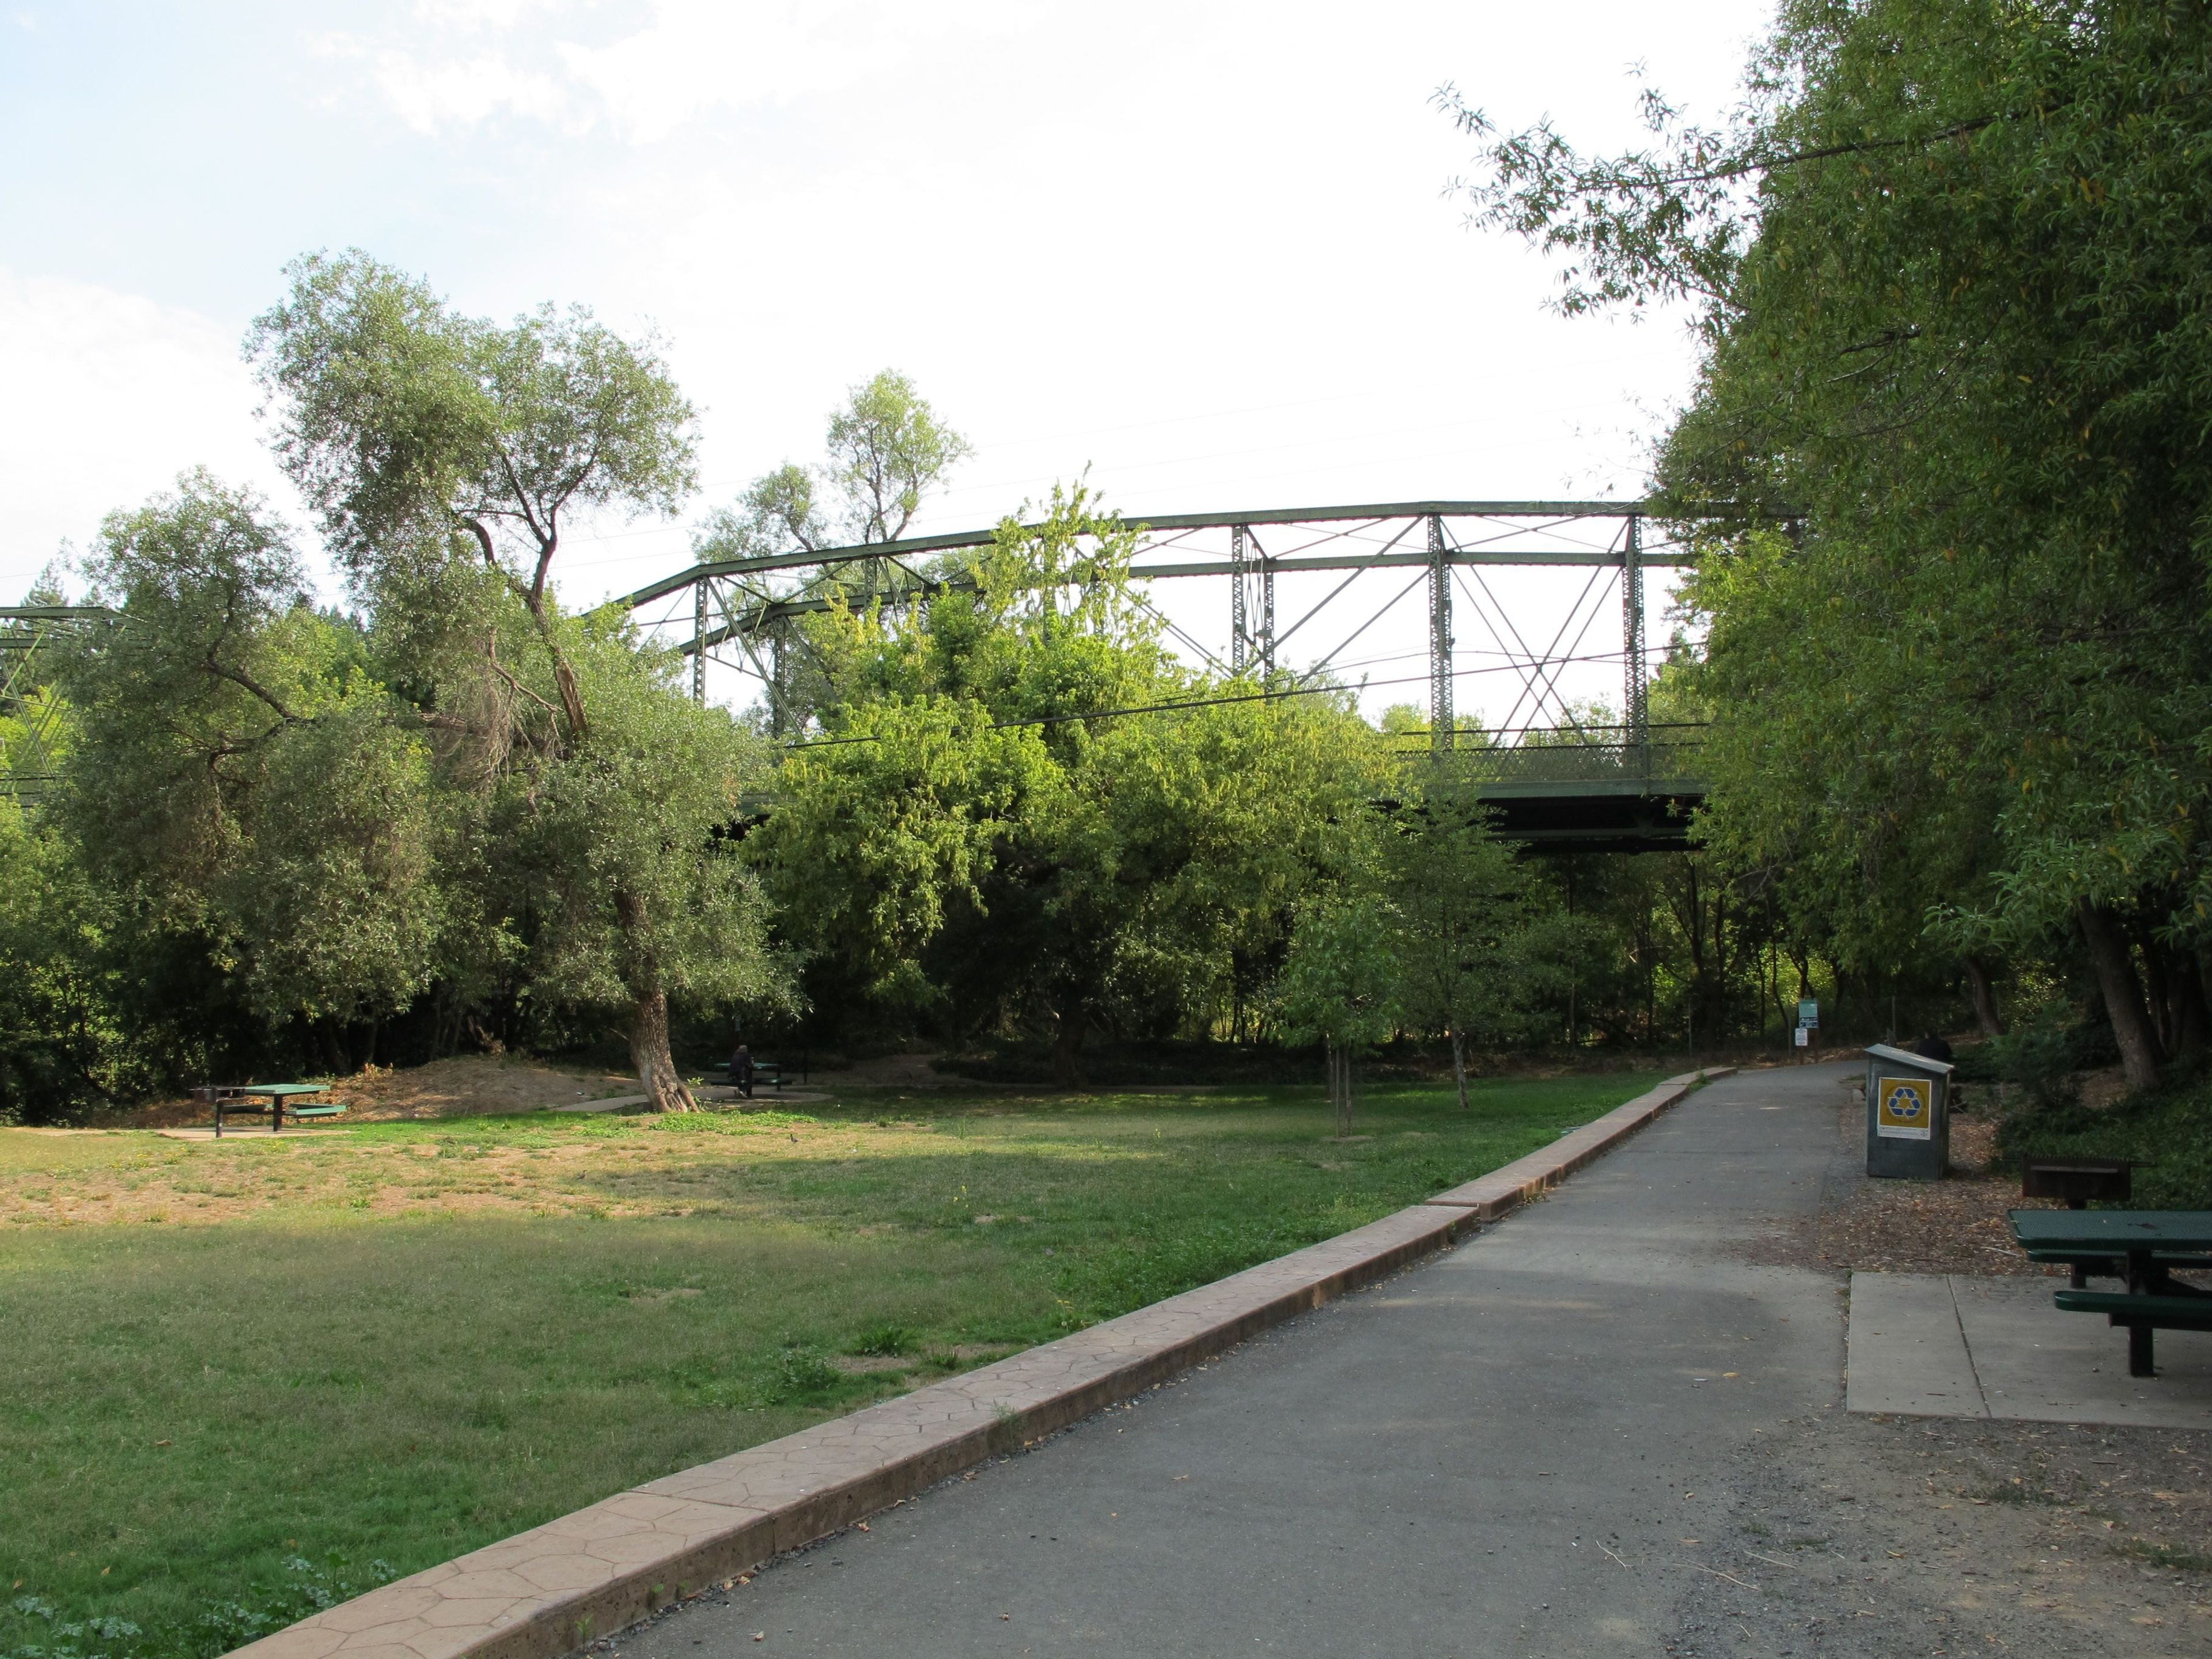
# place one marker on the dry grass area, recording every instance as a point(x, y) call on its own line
point(465, 1085)
point(692, 1164)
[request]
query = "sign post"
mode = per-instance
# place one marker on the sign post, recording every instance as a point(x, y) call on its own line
point(1908, 1114)
point(1808, 1026)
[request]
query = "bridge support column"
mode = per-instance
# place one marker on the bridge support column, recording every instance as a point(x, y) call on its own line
point(1441, 730)
point(1266, 614)
point(699, 641)
point(1636, 701)
point(779, 683)
point(1240, 637)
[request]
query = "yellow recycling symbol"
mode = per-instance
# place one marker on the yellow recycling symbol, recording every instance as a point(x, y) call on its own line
point(1908, 1107)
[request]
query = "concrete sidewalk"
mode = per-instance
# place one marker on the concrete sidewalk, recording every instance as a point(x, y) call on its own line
point(1510, 1448)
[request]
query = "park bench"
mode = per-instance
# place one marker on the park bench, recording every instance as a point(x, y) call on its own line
point(2142, 1248)
point(276, 1100)
point(2142, 1315)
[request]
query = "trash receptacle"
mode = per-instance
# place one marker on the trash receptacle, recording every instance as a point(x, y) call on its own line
point(1908, 1114)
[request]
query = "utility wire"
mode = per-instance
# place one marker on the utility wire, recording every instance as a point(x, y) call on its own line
point(1197, 703)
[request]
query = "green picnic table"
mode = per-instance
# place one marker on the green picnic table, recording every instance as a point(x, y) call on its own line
point(2141, 1249)
point(280, 1096)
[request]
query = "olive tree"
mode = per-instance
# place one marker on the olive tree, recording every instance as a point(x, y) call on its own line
point(446, 455)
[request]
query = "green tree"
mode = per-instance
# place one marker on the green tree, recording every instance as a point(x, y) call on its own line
point(237, 770)
point(1460, 903)
point(886, 451)
point(1341, 975)
point(1946, 266)
point(444, 455)
point(620, 854)
point(1026, 816)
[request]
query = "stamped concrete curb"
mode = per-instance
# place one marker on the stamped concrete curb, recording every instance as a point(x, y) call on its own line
point(555, 1587)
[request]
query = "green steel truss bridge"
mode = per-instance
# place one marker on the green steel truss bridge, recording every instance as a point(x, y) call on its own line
point(1554, 781)
point(29, 636)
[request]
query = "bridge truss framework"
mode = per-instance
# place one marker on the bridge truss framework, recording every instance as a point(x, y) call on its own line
point(738, 603)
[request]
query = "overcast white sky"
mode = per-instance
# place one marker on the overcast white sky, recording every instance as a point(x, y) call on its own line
point(1200, 246)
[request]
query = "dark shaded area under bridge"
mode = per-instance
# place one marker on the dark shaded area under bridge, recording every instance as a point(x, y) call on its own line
point(1602, 790)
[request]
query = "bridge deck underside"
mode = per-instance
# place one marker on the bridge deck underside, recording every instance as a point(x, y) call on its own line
point(1593, 817)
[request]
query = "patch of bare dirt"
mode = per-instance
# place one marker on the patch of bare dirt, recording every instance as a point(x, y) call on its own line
point(1955, 1225)
point(465, 1085)
point(1871, 1537)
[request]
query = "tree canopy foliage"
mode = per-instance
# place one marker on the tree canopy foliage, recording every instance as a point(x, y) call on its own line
point(1951, 427)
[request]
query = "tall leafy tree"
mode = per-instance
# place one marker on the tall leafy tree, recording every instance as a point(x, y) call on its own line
point(886, 450)
point(1460, 903)
point(1947, 267)
point(1025, 814)
point(447, 456)
point(238, 772)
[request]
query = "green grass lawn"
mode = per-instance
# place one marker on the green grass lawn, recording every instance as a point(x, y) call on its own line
point(373, 1350)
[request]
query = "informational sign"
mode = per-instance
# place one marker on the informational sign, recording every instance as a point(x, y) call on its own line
point(1808, 1014)
point(1804, 1037)
point(1905, 1108)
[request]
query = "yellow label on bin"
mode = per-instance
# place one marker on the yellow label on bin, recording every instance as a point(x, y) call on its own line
point(1904, 1107)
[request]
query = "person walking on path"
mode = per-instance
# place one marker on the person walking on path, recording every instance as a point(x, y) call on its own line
point(741, 1071)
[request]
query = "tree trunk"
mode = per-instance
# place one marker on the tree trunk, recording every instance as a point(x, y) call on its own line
point(2158, 991)
point(656, 1070)
point(2123, 994)
point(2186, 1015)
point(1459, 1065)
point(1985, 997)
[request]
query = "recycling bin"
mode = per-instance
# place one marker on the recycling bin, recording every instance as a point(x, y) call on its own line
point(1908, 1103)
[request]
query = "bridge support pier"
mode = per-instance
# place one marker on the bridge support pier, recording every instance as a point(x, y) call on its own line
point(1636, 698)
point(699, 641)
point(1441, 728)
point(1251, 644)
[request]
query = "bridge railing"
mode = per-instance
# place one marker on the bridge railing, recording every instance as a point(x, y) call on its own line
point(1662, 759)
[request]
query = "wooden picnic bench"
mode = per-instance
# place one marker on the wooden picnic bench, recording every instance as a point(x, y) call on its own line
point(2142, 1248)
point(280, 1097)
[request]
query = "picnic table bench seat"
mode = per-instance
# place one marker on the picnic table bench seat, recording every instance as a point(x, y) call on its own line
point(2113, 1264)
point(2142, 1315)
point(2143, 1248)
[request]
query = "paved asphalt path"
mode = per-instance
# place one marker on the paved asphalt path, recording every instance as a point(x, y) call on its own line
point(1504, 1450)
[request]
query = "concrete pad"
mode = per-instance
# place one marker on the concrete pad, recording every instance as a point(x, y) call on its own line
point(1906, 1353)
point(246, 1132)
point(2046, 1366)
point(1929, 1346)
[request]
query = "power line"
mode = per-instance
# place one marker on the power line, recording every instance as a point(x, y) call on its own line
point(1203, 702)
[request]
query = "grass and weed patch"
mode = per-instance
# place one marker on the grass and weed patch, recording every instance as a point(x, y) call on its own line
point(2170, 1129)
point(403, 1341)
